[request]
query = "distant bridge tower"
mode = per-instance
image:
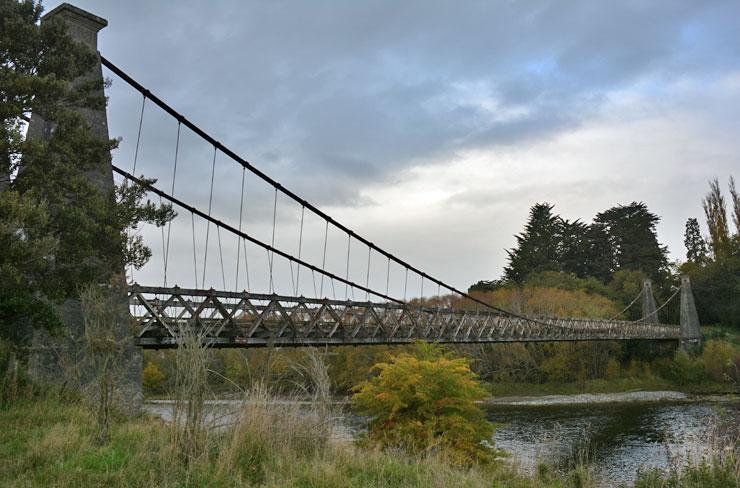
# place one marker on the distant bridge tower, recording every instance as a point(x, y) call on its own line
point(48, 353)
point(690, 334)
point(649, 309)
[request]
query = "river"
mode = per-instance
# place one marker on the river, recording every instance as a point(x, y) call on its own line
point(615, 439)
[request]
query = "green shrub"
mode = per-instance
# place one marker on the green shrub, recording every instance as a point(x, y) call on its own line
point(687, 369)
point(721, 361)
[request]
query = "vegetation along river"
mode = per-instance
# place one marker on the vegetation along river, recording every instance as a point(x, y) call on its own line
point(614, 439)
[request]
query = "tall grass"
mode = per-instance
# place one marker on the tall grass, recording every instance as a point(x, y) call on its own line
point(274, 444)
point(189, 432)
point(712, 461)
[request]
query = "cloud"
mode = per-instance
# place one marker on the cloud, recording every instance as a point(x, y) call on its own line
point(363, 107)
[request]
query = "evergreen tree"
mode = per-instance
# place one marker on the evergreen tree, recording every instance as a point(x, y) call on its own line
point(633, 240)
point(79, 227)
point(599, 257)
point(696, 248)
point(574, 247)
point(537, 247)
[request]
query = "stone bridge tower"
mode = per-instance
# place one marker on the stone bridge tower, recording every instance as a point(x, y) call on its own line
point(690, 334)
point(50, 357)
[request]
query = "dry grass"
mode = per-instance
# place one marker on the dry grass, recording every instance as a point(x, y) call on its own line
point(189, 430)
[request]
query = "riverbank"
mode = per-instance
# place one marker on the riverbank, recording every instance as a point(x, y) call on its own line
point(48, 442)
point(608, 398)
point(601, 386)
point(591, 398)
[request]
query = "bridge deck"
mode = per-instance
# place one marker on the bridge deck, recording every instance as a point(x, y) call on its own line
point(241, 319)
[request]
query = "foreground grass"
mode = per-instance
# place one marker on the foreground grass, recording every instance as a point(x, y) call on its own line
point(46, 442)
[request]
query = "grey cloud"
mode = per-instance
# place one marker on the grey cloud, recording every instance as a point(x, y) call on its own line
point(344, 93)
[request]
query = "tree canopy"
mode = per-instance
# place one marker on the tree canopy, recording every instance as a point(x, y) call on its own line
point(696, 247)
point(620, 238)
point(715, 273)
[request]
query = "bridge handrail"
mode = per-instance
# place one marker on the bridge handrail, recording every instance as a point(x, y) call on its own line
point(551, 321)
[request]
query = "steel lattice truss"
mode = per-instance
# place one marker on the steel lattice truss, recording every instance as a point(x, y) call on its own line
point(241, 319)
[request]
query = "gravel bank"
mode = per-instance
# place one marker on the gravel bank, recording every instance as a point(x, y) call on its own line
point(590, 398)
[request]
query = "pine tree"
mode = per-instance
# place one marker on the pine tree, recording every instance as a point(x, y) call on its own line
point(537, 247)
point(633, 240)
point(574, 247)
point(599, 258)
point(696, 248)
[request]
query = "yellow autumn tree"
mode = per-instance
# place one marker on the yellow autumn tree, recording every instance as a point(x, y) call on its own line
point(426, 402)
point(152, 377)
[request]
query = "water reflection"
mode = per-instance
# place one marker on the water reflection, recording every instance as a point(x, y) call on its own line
point(616, 440)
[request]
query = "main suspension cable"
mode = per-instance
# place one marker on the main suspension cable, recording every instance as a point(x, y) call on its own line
point(655, 312)
point(244, 235)
point(278, 187)
point(246, 164)
point(631, 303)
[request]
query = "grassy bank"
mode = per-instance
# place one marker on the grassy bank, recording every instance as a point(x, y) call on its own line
point(45, 442)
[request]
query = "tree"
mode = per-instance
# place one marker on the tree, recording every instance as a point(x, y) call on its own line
point(622, 237)
point(696, 248)
point(574, 247)
point(427, 403)
point(537, 247)
point(715, 280)
point(599, 257)
point(735, 205)
point(40, 70)
point(24, 261)
point(715, 211)
point(633, 239)
point(38, 65)
point(716, 284)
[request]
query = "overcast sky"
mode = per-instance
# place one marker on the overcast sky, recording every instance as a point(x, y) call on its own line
point(432, 127)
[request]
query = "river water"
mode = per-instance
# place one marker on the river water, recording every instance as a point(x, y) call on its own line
point(614, 439)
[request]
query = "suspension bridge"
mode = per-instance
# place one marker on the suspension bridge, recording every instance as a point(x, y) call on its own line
point(305, 309)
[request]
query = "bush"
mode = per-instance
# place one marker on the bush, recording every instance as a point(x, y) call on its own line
point(152, 377)
point(425, 404)
point(686, 369)
point(721, 361)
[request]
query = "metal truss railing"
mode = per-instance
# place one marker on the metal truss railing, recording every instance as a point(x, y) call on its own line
point(242, 319)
